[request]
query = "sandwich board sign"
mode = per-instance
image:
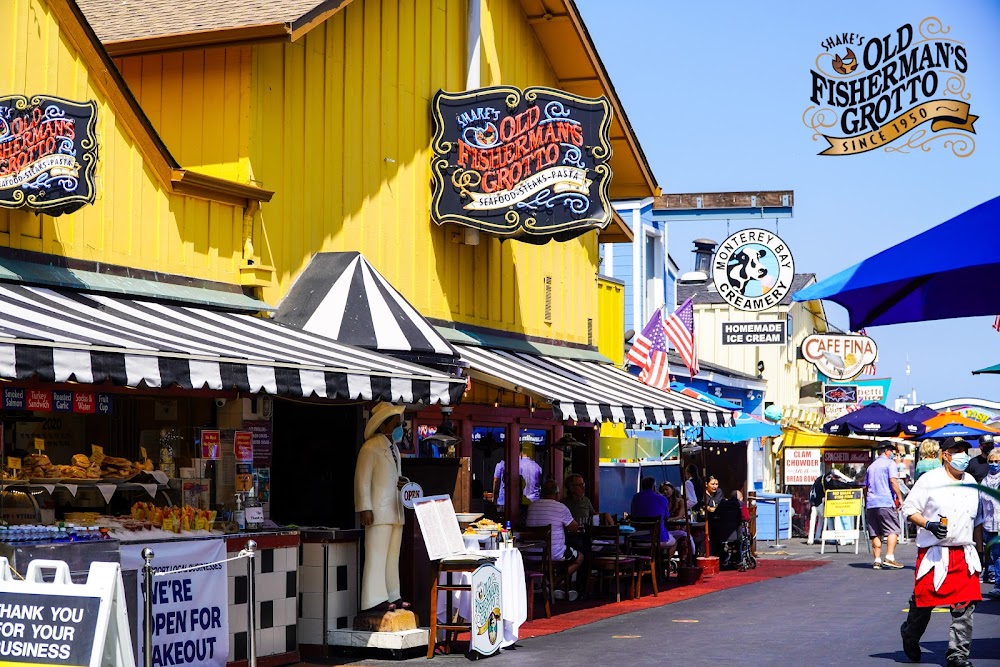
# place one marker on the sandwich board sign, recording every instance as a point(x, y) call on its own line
point(487, 621)
point(62, 623)
point(839, 506)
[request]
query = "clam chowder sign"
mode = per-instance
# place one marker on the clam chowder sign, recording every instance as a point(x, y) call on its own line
point(532, 164)
point(839, 357)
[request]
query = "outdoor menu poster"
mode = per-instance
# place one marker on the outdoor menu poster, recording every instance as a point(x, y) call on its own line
point(190, 609)
point(439, 526)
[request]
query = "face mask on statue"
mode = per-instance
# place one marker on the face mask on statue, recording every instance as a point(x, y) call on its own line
point(397, 435)
point(994, 468)
point(960, 461)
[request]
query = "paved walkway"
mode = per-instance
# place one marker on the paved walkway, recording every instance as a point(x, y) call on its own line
point(843, 613)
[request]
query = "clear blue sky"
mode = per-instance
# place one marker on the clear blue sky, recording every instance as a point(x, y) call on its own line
point(716, 93)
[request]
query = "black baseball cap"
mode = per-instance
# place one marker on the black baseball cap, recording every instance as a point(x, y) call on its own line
point(986, 441)
point(955, 442)
point(886, 444)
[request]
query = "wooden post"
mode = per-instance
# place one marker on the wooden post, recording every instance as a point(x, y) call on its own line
point(512, 473)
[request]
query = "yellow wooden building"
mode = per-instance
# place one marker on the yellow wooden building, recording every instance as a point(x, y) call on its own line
point(328, 105)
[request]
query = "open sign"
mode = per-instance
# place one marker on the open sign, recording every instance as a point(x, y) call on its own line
point(411, 491)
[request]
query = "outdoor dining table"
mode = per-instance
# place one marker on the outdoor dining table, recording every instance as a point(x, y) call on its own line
point(513, 597)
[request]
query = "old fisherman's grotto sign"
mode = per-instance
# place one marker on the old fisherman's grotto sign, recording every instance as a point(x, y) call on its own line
point(531, 165)
point(900, 92)
point(48, 153)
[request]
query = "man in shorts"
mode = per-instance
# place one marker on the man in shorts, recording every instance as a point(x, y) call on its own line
point(548, 511)
point(882, 502)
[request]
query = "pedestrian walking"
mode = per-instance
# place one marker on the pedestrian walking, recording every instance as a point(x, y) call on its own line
point(991, 526)
point(882, 502)
point(948, 518)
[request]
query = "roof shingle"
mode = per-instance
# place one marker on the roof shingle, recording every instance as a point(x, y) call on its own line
point(125, 20)
point(704, 292)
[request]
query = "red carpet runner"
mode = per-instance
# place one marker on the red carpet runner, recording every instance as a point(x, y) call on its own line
point(582, 613)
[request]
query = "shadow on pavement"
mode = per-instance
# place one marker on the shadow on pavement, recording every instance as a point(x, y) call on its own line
point(868, 566)
point(982, 649)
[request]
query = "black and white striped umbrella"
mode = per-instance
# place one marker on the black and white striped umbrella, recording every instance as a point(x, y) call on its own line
point(63, 336)
point(590, 391)
point(340, 295)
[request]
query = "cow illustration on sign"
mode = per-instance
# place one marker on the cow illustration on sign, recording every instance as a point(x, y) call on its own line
point(753, 269)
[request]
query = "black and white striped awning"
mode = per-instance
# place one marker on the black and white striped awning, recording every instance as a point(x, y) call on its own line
point(341, 296)
point(67, 336)
point(589, 390)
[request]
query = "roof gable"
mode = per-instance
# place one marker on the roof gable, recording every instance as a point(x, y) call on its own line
point(131, 27)
point(107, 80)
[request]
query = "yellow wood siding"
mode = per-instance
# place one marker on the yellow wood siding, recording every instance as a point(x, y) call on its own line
point(198, 101)
point(611, 320)
point(340, 130)
point(135, 220)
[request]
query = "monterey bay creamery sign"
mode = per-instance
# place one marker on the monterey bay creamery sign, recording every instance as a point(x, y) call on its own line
point(531, 165)
point(48, 153)
point(897, 92)
point(753, 270)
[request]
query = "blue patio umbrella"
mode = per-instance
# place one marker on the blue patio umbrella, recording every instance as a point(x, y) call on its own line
point(913, 420)
point(957, 430)
point(745, 427)
point(942, 273)
point(874, 419)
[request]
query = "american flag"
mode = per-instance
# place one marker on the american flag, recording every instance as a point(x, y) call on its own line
point(680, 329)
point(639, 352)
point(996, 323)
point(655, 366)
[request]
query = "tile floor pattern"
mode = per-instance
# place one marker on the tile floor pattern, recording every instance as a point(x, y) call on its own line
point(276, 579)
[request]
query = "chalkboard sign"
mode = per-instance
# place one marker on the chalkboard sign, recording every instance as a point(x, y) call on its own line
point(531, 165)
point(48, 153)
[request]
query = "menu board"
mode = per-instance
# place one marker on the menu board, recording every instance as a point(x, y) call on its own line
point(439, 526)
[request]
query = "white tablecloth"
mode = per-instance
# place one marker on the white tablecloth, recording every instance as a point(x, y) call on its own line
point(513, 598)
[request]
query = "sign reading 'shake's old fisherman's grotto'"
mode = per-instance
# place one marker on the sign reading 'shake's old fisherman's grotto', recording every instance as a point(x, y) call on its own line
point(48, 153)
point(531, 165)
point(900, 92)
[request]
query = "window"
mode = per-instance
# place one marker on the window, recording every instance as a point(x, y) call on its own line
point(653, 273)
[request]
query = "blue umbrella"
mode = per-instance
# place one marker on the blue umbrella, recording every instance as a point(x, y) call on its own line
point(873, 419)
point(913, 420)
point(744, 427)
point(957, 430)
point(936, 275)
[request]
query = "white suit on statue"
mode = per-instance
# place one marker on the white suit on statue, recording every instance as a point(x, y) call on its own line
point(375, 489)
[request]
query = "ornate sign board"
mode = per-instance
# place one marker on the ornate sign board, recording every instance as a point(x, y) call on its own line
point(531, 165)
point(48, 153)
point(753, 269)
point(839, 357)
point(487, 619)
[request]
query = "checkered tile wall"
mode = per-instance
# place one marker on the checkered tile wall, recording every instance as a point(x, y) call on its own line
point(277, 593)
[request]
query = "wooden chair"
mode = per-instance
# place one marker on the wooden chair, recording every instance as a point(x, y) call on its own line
point(610, 562)
point(535, 545)
point(644, 546)
point(534, 582)
point(450, 626)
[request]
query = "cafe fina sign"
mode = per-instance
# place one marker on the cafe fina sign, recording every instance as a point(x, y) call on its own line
point(839, 357)
point(901, 92)
point(48, 153)
point(531, 164)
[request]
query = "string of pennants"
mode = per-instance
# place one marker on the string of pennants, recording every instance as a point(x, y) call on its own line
point(42, 400)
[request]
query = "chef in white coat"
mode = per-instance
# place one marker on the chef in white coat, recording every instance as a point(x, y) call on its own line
point(944, 504)
point(377, 480)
